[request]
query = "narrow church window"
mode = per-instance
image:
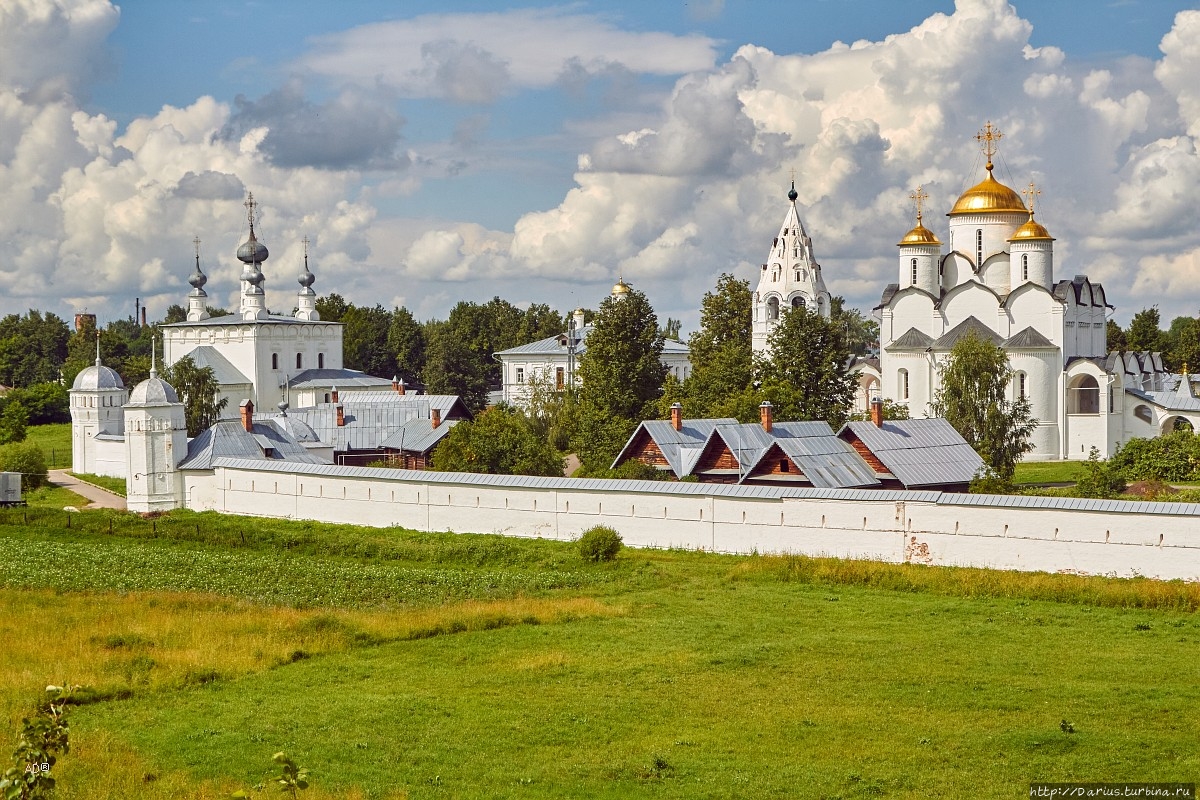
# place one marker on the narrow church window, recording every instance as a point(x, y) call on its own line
point(299, 360)
point(1024, 267)
point(914, 272)
point(320, 361)
point(559, 378)
point(902, 380)
point(798, 275)
point(979, 247)
point(1021, 385)
point(274, 360)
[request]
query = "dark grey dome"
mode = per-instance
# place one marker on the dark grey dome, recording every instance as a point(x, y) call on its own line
point(306, 278)
point(97, 377)
point(198, 278)
point(252, 251)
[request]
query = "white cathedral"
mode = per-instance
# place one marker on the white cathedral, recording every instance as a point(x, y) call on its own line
point(996, 281)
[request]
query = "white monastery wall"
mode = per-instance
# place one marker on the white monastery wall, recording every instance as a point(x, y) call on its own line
point(1050, 534)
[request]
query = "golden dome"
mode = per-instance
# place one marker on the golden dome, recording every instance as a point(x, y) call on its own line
point(919, 235)
point(620, 287)
point(1032, 231)
point(988, 196)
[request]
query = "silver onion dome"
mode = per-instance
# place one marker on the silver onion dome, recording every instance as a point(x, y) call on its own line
point(252, 251)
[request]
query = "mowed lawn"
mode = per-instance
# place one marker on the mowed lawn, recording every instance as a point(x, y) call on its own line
point(667, 674)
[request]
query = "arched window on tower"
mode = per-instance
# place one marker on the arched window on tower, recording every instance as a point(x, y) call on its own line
point(299, 360)
point(1021, 395)
point(274, 360)
point(902, 383)
point(772, 308)
point(798, 302)
point(979, 247)
point(914, 272)
point(320, 361)
point(1024, 266)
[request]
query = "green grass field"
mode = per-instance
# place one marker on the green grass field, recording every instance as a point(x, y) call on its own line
point(1047, 472)
point(399, 664)
point(55, 441)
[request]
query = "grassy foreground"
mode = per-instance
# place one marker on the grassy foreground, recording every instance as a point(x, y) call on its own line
point(666, 674)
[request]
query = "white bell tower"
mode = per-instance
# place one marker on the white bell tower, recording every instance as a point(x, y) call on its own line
point(155, 442)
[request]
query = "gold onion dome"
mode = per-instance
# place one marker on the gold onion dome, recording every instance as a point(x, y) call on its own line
point(988, 196)
point(1032, 231)
point(620, 287)
point(919, 235)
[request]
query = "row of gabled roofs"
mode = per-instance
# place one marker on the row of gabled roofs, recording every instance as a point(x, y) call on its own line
point(910, 454)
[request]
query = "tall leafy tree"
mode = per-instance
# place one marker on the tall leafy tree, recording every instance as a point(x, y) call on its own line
point(972, 398)
point(198, 390)
point(33, 348)
point(862, 332)
point(621, 375)
point(452, 366)
point(365, 340)
point(1185, 350)
point(1115, 337)
point(498, 442)
point(721, 350)
point(807, 374)
point(406, 340)
point(332, 307)
point(1145, 333)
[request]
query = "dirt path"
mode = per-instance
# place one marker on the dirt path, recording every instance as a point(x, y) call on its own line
point(100, 498)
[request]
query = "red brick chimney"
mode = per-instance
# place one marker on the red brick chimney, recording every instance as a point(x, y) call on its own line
point(766, 413)
point(143, 316)
point(877, 411)
point(247, 409)
point(334, 395)
point(341, 416)
point(395, 384)
point(435, 416)
point(676, 416)
point(400, 386)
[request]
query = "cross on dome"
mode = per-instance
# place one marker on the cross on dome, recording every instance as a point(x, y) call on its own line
point(920, 197)
point(250, 206)
point(989, 139)
point(1031, 195)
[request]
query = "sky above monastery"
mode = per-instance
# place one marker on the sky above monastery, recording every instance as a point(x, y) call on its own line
point(456, 150)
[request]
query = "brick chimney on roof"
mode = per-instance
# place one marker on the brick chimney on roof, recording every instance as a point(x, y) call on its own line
point(877, 411)
point(677, 416)
point(341, 415)
point(333, 394)
point(247, 409)
point(435, 416)
point(400, 386)
point(766, 413)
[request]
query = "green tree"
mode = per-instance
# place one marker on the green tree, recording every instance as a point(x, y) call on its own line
point(406, 342)
point(332, 307)
point(33, 348)
point(365, 341)
point(197, 389)
point(1145, 333)
point(621, 375)
point(498, 442)
point(46, 402)
point(453, 367)
point(1099, 478)
point(672, 328)
point(28, 459)
point(807, 374)
point(891, 410)
point(721, 350)
point(1115, 337)
point(862, 332)
point(1185, 345)
point(13, 420)
point(972, 398)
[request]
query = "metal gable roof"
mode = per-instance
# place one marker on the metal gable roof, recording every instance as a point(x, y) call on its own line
point(556, 346)
point(912, 339)
point(962, 330)
point(335, 378)
point(1029, 339)
point(920, 452)
point(828, 462)
point(225, 372)
point(417, 436)
point(681, 447)
point(228, 439)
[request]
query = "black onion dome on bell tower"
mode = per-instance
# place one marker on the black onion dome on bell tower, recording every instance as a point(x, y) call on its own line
point(306, 278)
point(792, 195)
point(198, 278)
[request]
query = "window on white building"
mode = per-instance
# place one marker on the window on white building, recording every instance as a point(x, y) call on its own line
point(979, 248)
point(560, 377)
point(1024, 266)
point(1083, 396)
point(320, 361)
point(1021, 386)
point(772, 308)
point(520, 374)
point(902, 383)
point(914, 272)
point(299, 360)
point(274, 360)
point(798, 302)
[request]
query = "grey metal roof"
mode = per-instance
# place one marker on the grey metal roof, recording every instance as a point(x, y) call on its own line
point(369, 424)
point(97, 377)
point(228, 439)
point(417, 436)
point(336, 378)
point(919, 452)
point(557, 345)
point(1029, 339)
point(1168, 401)
point(225, 372)
point(912, 339)
point(962, 330)
point(680, 448)
point(153, 391)
point(236, 319)
point(889, 292)
point(711, 489)
point(450, 405)
point(827, 462)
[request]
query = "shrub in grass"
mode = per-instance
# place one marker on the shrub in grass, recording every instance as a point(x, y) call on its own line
point(28, 459)
point(600, 543)
point(1099, 478)
point(988, 481)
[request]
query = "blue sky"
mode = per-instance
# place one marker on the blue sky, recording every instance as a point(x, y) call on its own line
point(457, 150)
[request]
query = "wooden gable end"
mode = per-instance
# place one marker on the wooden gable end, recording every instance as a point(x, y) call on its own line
point(859, 447)
point(647, 451)
point(777, 463)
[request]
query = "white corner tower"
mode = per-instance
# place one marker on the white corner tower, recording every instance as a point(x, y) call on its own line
point(97, 423)
point(252, 253)
point(306, 300)
point(791, 278)
point(1031, 250)
point(155, 442)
